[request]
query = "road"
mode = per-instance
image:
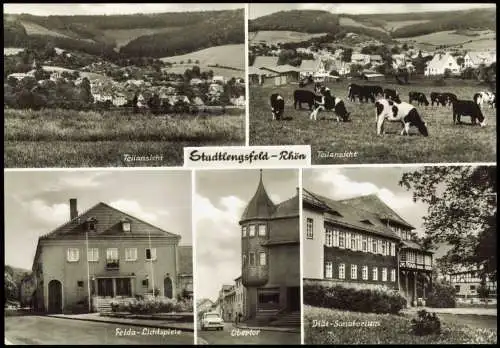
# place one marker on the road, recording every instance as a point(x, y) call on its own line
point(45, 330)
point(230, 336)
point(479, 321)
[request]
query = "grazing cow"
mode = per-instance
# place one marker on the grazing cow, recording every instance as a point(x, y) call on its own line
point(391, 94)
point(399, 112)
point(484, 97)
point(438, 98)
point(450, 98)
point(363, 93)
point(375, 90)
point(468, 108)
point(303, 96)
point(419, 97)
point(277, 106)
point(325, 101)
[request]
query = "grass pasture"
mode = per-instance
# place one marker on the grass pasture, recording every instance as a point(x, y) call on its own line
point(446, 142)
point(384, 329)
point(67, 138)
point(226, 55)
point(283, 36)
point(486, 39)
point(123, 36)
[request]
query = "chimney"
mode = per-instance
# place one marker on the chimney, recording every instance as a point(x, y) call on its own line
point(73, 212)
point(298, 190)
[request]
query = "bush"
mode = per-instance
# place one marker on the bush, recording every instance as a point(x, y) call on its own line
point(426, 324)
point(151, 306)
point(442, 296)
point(365, 300)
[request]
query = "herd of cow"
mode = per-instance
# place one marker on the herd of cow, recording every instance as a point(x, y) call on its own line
point(388, 105)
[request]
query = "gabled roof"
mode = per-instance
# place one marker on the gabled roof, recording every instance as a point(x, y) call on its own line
point(283, 68)
point(185, 266)
point(375, 205)
point(288, 208)
point(260, 206)
point(265, 61)
point(308, 65)
point(353, 216)
point(409, 244)
point(108, 224)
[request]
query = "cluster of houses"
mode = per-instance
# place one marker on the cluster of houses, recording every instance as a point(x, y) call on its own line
point(231, 301)
point(325, 61)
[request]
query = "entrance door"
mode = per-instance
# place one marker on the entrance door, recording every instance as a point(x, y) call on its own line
point(167, 285)
point(293, 298)
point(55, 296)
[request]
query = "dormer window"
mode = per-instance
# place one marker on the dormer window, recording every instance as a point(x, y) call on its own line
point(126, 225)
point(366, 221)
point(91, 224)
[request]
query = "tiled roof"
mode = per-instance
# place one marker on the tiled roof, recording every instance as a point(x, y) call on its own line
point(413, 245)
point(265, 61)
point(108, 224)
point(288, 208)
point(185, 265)
point(260, 206)
point(308, 65)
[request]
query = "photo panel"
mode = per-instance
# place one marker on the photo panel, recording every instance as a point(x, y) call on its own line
point(399, 255)
point(138, 83)
point(247, 256)
point(98, 257)
point(374, 83)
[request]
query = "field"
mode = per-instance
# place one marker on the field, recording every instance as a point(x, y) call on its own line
point(123, 36)
point(446, 142)
point(394, 25)
point(283, 36)
point(11, 51)
point(57, 138)
point(486, 39)
point(227, 55)
point(349, 22)
point(35, 29)
point(390, 329)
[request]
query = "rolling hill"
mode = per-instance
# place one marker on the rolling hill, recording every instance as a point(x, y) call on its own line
point(153, 35)
point(226, 55)
point(283, 36)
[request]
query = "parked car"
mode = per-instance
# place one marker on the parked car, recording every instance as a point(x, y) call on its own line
point(212, 320)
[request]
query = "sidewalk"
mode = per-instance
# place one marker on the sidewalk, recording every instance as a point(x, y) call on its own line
point(266, 328)
point(457, 311)
point(137, 322)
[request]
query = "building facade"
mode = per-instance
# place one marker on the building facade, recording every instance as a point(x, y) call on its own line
point(362, 243)
point(270, 255)
point(467, 281)
point(103, 255)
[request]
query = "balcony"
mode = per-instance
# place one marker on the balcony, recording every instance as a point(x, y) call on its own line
point(112, 265)
point(414, 265)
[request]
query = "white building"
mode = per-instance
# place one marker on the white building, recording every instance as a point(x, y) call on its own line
point(475, 59)
point(360, 58)
point(439, 63)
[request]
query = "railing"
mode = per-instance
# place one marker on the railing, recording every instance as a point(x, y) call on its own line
point(112, 264)
point(414, 265)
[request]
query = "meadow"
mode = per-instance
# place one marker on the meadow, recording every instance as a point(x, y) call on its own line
point(384, 329)
point(68, 138)
point(283, 36)
point(330, 140)
point(225, 55)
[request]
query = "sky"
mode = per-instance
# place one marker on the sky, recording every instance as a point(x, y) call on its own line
point(37, 202)
point(219, 202)
point(113, 8)
point(343, 183)
point(258, 10)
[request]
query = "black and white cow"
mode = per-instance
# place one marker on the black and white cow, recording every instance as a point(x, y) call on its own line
point(363, 93)
point(301, 96)
point(450, 98)
point(277, 106)
point(419, 97)
point(391, 94)
point(374, 90)
point(399, 112)
point(468, 108)
point(481, 98)
point(325, 101)
point(438, 98)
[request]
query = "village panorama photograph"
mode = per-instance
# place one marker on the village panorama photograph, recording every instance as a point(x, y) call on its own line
point(98, 258)
point(121, 85)
point(400, 255)
point(375, 83)
point(247, 262)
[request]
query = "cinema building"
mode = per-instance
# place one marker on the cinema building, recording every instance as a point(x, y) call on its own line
point(270, 244)
point(108, 256)
point(362, 243)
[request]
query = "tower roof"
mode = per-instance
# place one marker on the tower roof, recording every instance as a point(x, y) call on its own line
point(260, 206)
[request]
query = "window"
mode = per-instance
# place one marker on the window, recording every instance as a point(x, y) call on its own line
point(145, 283)
point(244, 260)
point(342, 271)
point(384, 274)
point(354, 271)
point(73, 254)
point(375, 273)
point(365, 272)
point(93, 254)
point(329, 269)
point(252, 259)
point(150, 254)
point(262, 259)
point(310, 228)
point(91, 225)
point(342, 239)
point(79, 283)
point(348, 240)
point(335, 238)
point(244, 231)
point(262, 230)
point(473, 288)
point(374, 246)
point(126, 226)
point(369, 244)
point(112, 254)
point(130, 254)
point(251, 232)
point(383, 247)
point(328, 237)
point(393, 275)
point(354, 242)
point(379, 247)
point(457, 287)
point(393, 249)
